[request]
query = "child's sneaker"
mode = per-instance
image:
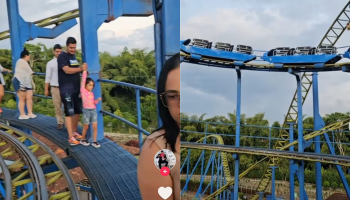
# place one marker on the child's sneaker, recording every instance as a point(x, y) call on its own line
point(72, 141)
point(77, 136)
point(84, 142)
point(96, 145)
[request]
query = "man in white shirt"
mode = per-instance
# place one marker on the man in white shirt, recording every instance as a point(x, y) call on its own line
point(51, 79)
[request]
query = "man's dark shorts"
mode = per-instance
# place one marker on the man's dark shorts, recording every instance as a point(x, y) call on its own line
point(72, 103)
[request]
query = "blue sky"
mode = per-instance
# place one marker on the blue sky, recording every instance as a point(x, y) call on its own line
point(263, 25)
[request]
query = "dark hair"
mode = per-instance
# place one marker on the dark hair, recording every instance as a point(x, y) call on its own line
point(57, 46)
point(170, 126)
point(24, 53)
point(88, 80)
point(70, 40)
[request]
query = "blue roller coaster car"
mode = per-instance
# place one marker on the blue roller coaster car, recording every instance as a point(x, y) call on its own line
point(347, 53)
point(202, 49)
point(303, 55)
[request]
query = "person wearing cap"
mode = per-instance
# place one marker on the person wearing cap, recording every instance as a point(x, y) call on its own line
point(51, 80)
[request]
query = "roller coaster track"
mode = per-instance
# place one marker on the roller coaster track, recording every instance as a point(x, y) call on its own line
point(312, 157)
point(263, 66)
point(273, 154)
point(220, 141)
point(30, 164)
point(53, 20)
point(7, 176)
point(26, 159)
point(330, 38)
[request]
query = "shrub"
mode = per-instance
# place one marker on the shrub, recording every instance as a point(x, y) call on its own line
point(334, 185)
point(326, 184)
point(132, 143)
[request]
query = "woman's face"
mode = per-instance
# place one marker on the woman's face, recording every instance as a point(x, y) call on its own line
point(27, 58)
point(172, 89)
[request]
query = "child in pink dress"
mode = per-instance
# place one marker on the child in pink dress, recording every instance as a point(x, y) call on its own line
point(89, 109)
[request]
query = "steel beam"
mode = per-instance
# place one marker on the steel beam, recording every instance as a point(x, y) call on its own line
point(92, 14)
point(292, 166)
point(238, 131)
point(300, 137)
point(166, 33)
point(318, 124)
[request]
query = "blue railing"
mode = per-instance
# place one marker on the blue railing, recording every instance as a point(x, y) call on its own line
point(138, 104)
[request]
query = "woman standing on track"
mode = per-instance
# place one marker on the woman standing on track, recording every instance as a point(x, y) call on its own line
point(2, 83)
point(166, 137)
point(23, 85)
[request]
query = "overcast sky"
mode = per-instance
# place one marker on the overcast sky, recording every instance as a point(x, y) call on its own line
point(263, 25)
point(131, 32)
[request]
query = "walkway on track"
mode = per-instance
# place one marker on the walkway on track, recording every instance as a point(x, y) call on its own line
point(110, 168)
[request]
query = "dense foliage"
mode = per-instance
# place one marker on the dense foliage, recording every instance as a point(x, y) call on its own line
point(255, 132)
point(136, 66)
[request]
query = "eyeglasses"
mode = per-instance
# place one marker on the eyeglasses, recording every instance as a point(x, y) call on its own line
point(170, 98)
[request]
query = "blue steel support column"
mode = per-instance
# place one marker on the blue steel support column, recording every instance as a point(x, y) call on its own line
point(212, 176)
point(17, 39)
point(90, 21)
point(232, 193)
point(318, 124)
point(139, 121)
point(17, 42)
point(202, 166)
point(238, 129)
point(188, 168)
point(300, 137)
point(269, 137)
point(291, 162)
point(273, 196)
point(261, 195)
point(166, 33)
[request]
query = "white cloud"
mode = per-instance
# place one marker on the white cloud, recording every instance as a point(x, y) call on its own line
point(334, 92)
point(125, 26)
point(201, 100)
